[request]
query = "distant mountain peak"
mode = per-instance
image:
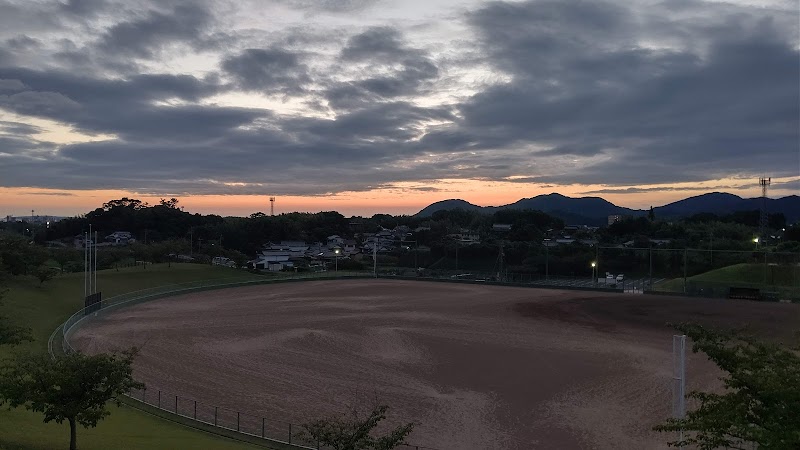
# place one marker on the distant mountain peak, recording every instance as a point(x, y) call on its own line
point(595, 210)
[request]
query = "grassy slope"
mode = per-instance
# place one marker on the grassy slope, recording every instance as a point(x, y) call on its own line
point(43, 308)
point(742, 274)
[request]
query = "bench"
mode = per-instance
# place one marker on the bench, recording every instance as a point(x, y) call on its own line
point(744, 293)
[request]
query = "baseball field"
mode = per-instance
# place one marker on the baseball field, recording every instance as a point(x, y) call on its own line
point(476, 366)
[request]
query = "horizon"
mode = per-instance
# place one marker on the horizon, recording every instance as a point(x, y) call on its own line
point(151, 201)
point(365, 106)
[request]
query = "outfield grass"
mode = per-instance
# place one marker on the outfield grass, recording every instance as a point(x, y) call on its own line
point(45, 307)
point(781, 277)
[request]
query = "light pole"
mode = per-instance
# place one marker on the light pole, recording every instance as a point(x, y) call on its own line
point(594, 270)
point(755, 239)
point(547, 261)
point(336, 258)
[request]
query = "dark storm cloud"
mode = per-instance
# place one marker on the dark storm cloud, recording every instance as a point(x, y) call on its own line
point(639, 190)
point(126, 107)
point(382, 44)
point(18, 128)
point(583, 100)
point(402, 70)
point(84, 8)
point(789, 185)
point(390, 123)
point(11, 86)
point(19, 146)
point(48, 104)
point(16, 17)
point(23, 43)
point(268, 70)
point(144, 37)
point(662, 115)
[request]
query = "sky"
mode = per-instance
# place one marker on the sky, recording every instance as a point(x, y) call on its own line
point(379, 106)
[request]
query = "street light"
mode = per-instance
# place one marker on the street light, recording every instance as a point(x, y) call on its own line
point(594, 272)
point(336, 258)
point(755, 239)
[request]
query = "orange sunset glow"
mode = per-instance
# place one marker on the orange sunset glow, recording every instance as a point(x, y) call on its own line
point(399, 200)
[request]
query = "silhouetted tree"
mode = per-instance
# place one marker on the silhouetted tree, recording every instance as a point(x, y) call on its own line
point(75, 388)
point(11, 334)
point(760, 404)
point(353, 432)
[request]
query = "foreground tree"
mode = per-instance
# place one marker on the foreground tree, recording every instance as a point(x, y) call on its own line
point(761, 402)
point(75, 388)
point(44, 273)
point(11, 334)
point(353, 432)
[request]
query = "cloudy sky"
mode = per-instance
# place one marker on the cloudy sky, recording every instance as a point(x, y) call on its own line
point(367, 106)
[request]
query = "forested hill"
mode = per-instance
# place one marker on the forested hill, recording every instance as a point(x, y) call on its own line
point(595, 210)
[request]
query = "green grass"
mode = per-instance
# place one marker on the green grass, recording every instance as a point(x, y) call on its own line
point(780, 277)
point(45, 307)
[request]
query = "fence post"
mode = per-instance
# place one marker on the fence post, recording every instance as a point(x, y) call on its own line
point(651, 267)
point(144, 394)
point(195, 410)
point(237, 420)
point(263, 426)
point(215, 416)
point(176, 404)
point(290, 433)
point(685, 262)
point(159, 399)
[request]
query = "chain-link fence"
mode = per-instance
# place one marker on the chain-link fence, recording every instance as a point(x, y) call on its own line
point(254, 426)
point(757, 275)
point(760, 275)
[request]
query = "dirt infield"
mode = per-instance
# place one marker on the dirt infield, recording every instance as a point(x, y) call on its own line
point(478, 367)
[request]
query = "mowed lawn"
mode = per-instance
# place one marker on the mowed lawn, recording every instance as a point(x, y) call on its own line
point(44, 307)
point(777, 276)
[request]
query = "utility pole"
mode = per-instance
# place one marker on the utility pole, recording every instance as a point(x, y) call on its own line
point(546, 262)
point(651, 266)
point(375, 259)
point(711, 247)
point(456, 254)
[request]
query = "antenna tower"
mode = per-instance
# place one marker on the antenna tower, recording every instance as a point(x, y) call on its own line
point(764, 182)
point(272, 206)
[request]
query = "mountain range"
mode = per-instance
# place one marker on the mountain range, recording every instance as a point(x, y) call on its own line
point(595, 210)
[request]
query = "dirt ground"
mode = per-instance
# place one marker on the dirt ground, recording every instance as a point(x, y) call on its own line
point(476, 366)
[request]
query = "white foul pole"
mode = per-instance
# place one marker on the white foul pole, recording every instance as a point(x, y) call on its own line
point(375, 259)
point(679, 378)
point(94, 242)
point(85, 264)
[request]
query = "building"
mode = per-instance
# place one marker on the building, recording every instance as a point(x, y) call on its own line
point(273, 261)
point(120, 238)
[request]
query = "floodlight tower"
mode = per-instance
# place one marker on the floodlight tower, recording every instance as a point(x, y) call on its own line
point(764, 182)
point(272, 206)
